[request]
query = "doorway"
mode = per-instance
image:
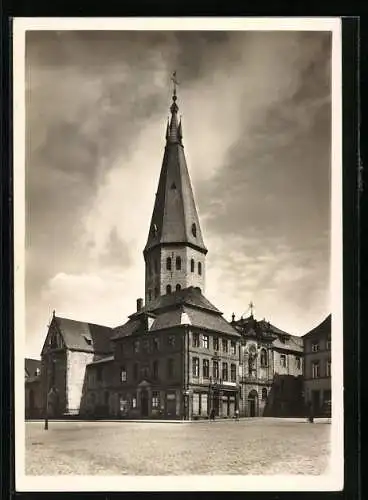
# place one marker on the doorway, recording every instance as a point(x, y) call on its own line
point(252, 403)
point(144, 403)
point(216, 404)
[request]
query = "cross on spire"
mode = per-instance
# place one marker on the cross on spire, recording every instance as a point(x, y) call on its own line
point(251, 307)
point(175, 82)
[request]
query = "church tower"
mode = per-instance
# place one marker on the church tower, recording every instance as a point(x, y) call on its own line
point(175, 252)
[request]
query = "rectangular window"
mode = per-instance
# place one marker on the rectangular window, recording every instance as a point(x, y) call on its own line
point(156, 344)
point(283, 360)
point(224, 345)
point(298, 362)
point(195, 367)
point(315, 347)
point(195, 339)
point(215, 370)
point(123, 374)
point(328, 368)
point(170, 368)
point(171, 340)
point(205, 342)
point(232, 347)
point(145, 371)
point(315, 369)
point(155, 370)
point(145, 345)
point(215, 343)
point(206, 368)
point(224, 372)
point(134, 402)
point(233, 372)
point(155, 399)
point(136, 346)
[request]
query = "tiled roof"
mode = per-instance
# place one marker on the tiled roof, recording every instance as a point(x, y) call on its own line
point(191, 296)
point(107, 359)
point(324, 328)
point(84, 336)
point(31, 366)
point(187, 306)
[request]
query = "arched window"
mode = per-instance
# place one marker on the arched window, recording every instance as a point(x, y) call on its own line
point(199, 268)
point(178, 263)
point(194, 230)
point(264, 393)
point(178, 287)
point(263, 357)
point(192, 265)
point(168, 263)
point(168, 289)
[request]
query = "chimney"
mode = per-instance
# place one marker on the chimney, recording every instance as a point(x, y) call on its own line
point(139, 304)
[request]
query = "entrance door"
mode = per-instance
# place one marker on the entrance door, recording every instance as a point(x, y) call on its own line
point(252, 403)
point(144, 403)
point(315, 402)
point(216, 404)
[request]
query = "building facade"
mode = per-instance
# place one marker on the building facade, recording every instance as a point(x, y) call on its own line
point(176, 357)
point(317, 373)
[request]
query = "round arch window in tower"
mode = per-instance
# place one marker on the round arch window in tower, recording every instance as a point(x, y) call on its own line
point(178, 287)
point(200, 268)
point(194, 230)
point(168, 289)
point(192, 265)
point(178, 263)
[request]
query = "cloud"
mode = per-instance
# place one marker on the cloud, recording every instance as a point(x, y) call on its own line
point(256, 127)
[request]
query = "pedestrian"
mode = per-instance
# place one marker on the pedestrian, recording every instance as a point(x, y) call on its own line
point(310, 415)
point(237, 415)
point(212, 414)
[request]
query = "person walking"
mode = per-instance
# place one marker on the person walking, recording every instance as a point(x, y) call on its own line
point(237, 415)
point(212, 414)
point(310, 413)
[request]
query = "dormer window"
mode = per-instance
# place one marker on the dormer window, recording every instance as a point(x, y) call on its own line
point(88, 339)
point(37, 372)
point(154, 230)
point(194, 230)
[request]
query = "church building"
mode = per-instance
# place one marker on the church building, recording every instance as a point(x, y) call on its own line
point(176, 357)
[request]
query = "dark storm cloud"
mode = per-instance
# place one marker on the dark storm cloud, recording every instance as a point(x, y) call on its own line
point(89, 95)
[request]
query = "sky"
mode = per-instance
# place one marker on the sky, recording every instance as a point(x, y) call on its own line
point(256, 115)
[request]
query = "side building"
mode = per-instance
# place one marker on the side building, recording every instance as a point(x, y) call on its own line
point(32, 388)
point(271, 369)
point(317, 372)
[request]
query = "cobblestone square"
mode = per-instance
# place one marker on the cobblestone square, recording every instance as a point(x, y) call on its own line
point(249, 446)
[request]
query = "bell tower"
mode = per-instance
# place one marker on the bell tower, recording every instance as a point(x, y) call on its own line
point(175, 252)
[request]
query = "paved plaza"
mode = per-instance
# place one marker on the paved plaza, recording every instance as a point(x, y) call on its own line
point(249, 446)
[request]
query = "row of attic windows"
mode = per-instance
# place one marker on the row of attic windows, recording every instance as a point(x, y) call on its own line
point(178, 265)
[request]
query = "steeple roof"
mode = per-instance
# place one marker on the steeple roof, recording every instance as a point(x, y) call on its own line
point(175, 218)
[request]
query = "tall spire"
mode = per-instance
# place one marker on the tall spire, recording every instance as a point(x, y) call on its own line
point(173, 133)
point(175, 251)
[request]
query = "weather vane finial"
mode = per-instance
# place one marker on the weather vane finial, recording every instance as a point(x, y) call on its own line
point(175, 82)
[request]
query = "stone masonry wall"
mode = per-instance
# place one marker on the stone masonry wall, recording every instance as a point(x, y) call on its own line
point(76, 370)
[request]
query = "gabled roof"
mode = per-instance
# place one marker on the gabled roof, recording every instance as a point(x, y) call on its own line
point(324, 328)
point(31, 366)
point(83, 336)
point(174, 218)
